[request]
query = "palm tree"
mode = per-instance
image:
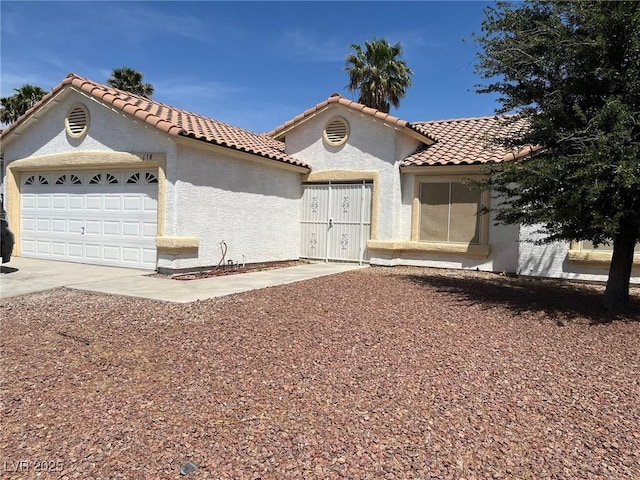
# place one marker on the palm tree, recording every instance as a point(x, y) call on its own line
point(378, 74)
point(16, 105)
point(130, 80)
point(9, 111)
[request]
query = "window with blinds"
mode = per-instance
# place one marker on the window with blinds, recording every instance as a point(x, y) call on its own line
point(450, 213)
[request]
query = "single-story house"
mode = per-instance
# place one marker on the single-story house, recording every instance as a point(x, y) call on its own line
point(93, 174)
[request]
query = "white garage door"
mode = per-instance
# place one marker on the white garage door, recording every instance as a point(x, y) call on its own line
point(97, 217)
point(336, 221)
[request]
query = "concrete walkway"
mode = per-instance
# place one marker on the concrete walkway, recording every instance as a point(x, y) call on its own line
point(29, 275)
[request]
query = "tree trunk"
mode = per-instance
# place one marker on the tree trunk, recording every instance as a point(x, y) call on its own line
point(616, 295)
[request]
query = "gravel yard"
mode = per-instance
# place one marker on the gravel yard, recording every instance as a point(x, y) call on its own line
point(397, 373)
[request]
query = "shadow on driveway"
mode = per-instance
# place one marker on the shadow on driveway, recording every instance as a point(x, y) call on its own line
point(560, 300)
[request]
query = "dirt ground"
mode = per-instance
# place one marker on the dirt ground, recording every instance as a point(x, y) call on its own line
point(391, 373)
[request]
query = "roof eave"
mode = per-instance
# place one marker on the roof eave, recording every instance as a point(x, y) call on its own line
point(192, 140)
point(460, 168)
point(40, 107)
point(413, 133)
point(295, 123)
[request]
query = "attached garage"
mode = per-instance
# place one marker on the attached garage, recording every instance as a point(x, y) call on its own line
point(97, 175)
point(106, 217)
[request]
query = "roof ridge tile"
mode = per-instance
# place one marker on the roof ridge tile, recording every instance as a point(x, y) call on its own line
point(464, 119)
point(337, 99)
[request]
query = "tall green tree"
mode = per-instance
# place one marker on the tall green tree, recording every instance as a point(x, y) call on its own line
point(16, 105)
point(130, 80)
point(571, 69)
point(378, 74)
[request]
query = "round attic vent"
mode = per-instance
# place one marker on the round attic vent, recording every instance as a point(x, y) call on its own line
point(336, 131)
point(77, 121)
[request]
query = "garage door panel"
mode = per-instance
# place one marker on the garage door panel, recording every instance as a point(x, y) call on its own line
point(28, 225)
point(28, 247)
point(43, 225)
point(60, 202)
point(131, 254)
point(28, 201)
point(131, 229)
point(111, 253)
point(148, 255)
point(150, 204)
point(43, 202)
point(93, 203)
point(75, 226)
point(110, 228)
point(102, 223)
point(149, 230)
point(43, 247)
point(76, 202)
point(93, 227)
point(132, 203)
point(58, 225)
point(59, 249)
point(92, 251)
point(112, 203)
point(75, 250)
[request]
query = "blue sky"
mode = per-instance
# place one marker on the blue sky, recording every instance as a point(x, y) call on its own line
point(251, 64)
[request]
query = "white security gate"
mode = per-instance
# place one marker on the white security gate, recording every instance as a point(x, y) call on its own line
point(336, 221)
point(97, 217)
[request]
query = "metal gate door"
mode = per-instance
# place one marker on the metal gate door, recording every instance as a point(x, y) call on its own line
point(336, 221)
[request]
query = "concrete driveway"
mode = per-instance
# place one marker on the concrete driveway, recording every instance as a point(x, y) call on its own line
point(28, 275)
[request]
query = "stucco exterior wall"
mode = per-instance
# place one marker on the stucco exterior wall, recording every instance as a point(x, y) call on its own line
point(208, 197)
point(371, 146)
point(43, 143)
point(108, 131)
point(212, 195)
point(253, 208)
point(552, 260)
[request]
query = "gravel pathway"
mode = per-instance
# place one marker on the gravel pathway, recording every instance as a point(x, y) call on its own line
point(402, 373)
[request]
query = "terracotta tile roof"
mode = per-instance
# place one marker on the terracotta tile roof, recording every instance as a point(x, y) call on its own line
point(278, 132)
point(173, 121)
point(465, 141)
